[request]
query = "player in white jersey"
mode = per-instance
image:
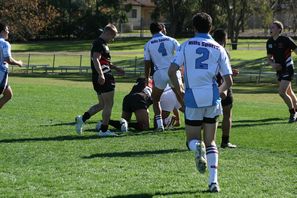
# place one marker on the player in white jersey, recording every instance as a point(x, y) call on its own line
point(158, 52)
point(203, 59)
point(5, 59)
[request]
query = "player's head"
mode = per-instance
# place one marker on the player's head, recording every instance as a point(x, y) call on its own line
point(109, 32)
point(4, 30)
point(202, 22)
point(220, 36)
point(164, 31)
point(276, 28)
point(155, 28)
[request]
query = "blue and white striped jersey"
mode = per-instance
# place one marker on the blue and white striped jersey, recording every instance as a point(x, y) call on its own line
point(5, 52)
point(203, 58)
point(160, 50)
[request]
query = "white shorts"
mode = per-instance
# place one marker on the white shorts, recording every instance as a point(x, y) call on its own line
point(161, 78)
point(169, 101)
point(3, 81)
point(203, 112)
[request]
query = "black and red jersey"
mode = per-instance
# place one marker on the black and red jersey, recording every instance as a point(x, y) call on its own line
point(281, 50)
point(100, 46)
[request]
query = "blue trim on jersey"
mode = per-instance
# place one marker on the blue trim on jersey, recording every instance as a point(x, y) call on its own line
point(204, 35)
point(190, 99)
point(185, 69)
point(216, 94)
point(158, 35)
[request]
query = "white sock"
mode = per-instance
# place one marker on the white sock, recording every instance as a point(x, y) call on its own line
point(212, 156)
point(192, 144)
point(159, 121)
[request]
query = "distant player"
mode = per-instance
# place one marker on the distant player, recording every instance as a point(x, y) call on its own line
point(202, 58)
point(136, 102)
point(158, 53)
point(279, 50)
point(103, 81)
point(220, 36)
point(5, 59)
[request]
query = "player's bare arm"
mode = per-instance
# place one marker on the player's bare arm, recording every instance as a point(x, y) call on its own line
point(96, 57)
point(174, 80)
point(12, 61)
point(275, 66)
point(118, 69)
point(228, 82)
point(147, 69)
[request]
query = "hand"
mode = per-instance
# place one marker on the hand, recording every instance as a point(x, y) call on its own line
point(120, 71)
point(101, 79)
point(223, 95)
point(277, 66)
point(235, 72)
point(20, 63)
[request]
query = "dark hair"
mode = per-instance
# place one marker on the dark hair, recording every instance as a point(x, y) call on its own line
point(2, 27)
point(279, 25)
point(202, 22)
point(155, 27)
point(139, 86)
point(219, 35)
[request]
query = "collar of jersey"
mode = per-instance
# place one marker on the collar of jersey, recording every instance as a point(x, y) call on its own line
point(158, 35)
point(203, 35)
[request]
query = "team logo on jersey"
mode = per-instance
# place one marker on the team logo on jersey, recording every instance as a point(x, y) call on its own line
point(270, 46)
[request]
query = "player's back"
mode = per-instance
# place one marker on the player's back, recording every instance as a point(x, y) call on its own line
point(4, 53)
point(160, 50)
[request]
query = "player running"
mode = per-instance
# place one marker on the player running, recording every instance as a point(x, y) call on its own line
point(5, 59)
point(202, 58)
point(279, 49)
point(103, 81)
point(158, 52)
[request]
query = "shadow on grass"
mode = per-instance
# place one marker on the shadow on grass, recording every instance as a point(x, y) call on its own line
point(64, 124)
point(134, 153)
point(260, 122)
point(167, 194)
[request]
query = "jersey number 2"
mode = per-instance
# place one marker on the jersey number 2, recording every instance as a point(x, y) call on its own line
point(204, 56)
point(162, 49)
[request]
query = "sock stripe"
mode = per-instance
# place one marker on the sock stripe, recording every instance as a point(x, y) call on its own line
point(210, 152)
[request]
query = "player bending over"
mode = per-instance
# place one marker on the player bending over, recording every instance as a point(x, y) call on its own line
point(202, 58)
point(279, 50)
point(5, 59)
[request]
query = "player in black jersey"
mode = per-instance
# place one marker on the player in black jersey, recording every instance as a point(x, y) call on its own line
point(103, 81)
point(279, 49)
point(220, 36)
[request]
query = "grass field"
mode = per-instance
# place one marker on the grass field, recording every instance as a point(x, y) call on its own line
point(42, 156)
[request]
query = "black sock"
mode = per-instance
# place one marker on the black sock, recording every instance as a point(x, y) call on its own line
point(104, 128)
point(225, 139)
point(86, 116)
point(292, 111)
point(115, 123)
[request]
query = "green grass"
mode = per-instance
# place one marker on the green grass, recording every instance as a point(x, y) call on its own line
point(42, 156)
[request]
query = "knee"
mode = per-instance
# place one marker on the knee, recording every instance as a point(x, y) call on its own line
point(8, 95)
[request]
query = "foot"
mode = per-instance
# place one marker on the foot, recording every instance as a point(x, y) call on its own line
point(160, 129)
point(98, 126)
point(292, 118)
point(107, 133)
point(200, 157)
point(79, 124)
point(214, 187)
point(124, 125)
point(228, 145)
point(169, 122)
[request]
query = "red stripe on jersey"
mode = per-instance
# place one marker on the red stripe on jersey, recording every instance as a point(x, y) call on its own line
point(287, 53)
point(104, 61)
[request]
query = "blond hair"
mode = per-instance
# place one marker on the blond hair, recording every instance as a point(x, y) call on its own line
point(279, 25)
point(110, 28)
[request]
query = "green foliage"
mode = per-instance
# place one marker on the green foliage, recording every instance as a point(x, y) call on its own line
point(41, 155)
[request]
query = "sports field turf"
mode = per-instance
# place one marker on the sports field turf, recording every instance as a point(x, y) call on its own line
point(41, 155)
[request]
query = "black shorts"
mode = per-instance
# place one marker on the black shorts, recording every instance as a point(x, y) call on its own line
point(229, 99)
point(284, 76)
point(134, 102)
point(108, 86)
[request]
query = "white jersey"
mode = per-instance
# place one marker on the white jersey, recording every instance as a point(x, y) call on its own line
point(5, 52)
point(203, 58)
point(160, 50)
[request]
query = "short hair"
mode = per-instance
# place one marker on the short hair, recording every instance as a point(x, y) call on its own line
point(279, 25)
point(202, 22)
point(2, 27)
point(110, 28)
point(219, 35)
point(155, 27)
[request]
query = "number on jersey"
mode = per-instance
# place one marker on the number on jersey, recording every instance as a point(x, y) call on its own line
point(204, 55)
point(162, 49)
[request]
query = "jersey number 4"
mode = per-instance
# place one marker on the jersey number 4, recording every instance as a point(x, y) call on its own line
point(204, 55)
point(162, 49)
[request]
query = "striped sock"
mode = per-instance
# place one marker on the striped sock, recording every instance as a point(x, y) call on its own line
point(159, 121)
point(212, 156)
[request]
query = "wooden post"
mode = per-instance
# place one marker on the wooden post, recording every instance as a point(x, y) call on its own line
point(29, 57)
point(80, 61)
point(54, 60)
